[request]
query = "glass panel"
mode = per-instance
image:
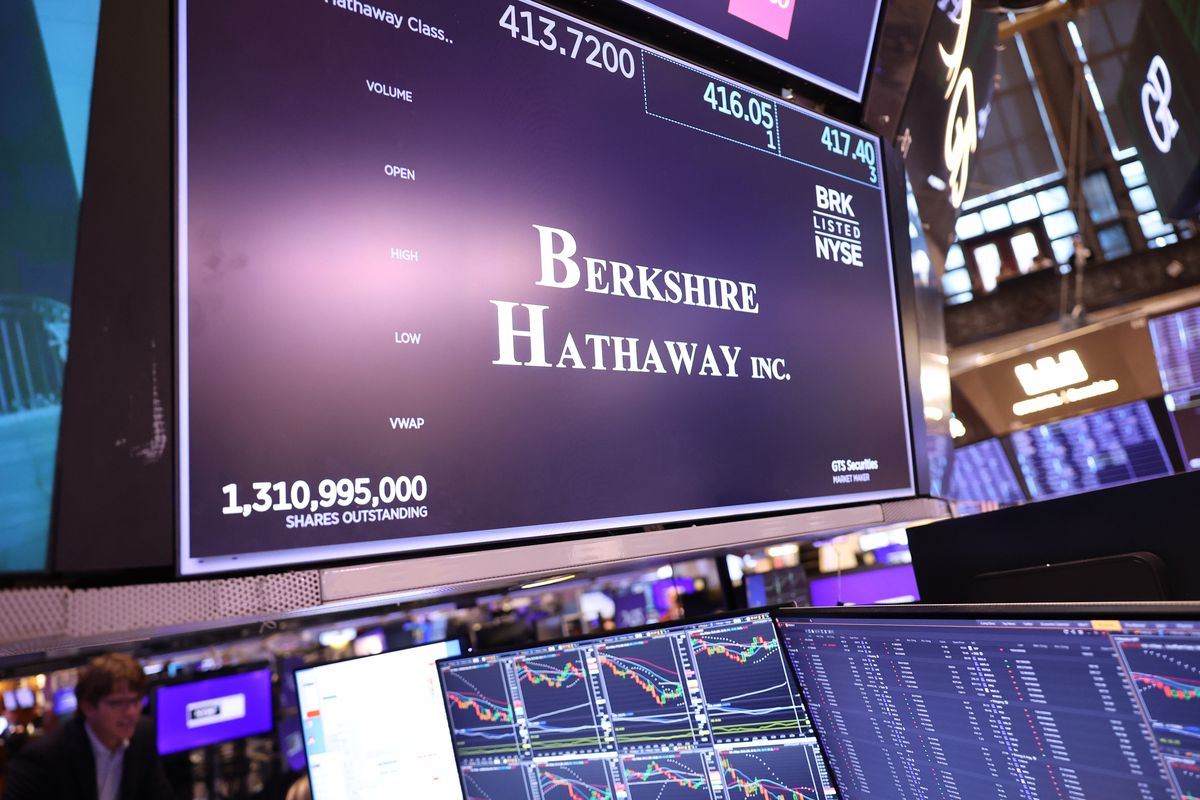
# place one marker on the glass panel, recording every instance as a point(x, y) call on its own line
point(1025, 248)
point(1061, 224)
point(1114, 242)
point(956, 281)
point(1102, 206)
point(968, 226)
point(1053, 200)
point(1134, 173)
point(1163, 241)
point(965, 297)
point(1063, 248)
point(954, 258)
point(987, 260)
point(1143, 199)
point(1024, 208)
point(1153, 225)
point(995, 218)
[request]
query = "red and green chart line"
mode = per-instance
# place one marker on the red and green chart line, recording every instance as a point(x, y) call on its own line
point(677, 778)
point(764, 788)
point(554, 678)
point(575, 786)
point(741, 653)
point(670, 690)
point(1173, 689)
point(487, 710)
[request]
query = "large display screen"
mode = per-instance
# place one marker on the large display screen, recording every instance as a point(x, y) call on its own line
point(827, 42)
point(921, 707)
point(214, 710)
point(1177, 349)
point(982, 474)
point(49, 52)
point(374, 727)
point(1107, 448)
point(520, 276)
point(709, 707)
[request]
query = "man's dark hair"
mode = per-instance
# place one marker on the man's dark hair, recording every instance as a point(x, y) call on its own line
point(98, 679)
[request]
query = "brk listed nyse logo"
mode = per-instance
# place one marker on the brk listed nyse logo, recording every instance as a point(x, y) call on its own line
point(837, 232)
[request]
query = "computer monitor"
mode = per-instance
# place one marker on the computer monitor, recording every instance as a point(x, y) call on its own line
point(695, 709)
point(982, 474)
point(374, 728)
point(1082, 701)
point(217, 709)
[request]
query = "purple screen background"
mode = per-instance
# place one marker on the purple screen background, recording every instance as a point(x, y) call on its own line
point(863, 588)
point(829, 39)
point(294, 299)
point(171, 717)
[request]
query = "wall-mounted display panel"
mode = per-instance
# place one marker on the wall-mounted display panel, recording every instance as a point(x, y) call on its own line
point(609, 290)
point(826, 42)
point(1108, 448)
point(1177, 349)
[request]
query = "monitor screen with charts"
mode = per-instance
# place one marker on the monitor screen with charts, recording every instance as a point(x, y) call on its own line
point(932, 701)
point(706, 709)
point(374, 727)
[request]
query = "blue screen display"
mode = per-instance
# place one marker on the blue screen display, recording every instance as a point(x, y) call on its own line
point(1111, 447)
point(982, 474)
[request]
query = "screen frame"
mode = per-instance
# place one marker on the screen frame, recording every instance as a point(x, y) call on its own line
point(1165, 611)
point(224, 672)
point(296, 684)
point(892, 198)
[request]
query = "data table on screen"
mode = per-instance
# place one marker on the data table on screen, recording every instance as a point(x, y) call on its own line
point(982, 473)
point(1176, 339)
point(1107, 448)
point(680, 712)
point(1033, 709)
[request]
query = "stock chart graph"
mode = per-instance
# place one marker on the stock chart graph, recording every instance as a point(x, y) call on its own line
point(746, 685)
point(1166, 673)
point(679, 776)
point(645, 684)
point(696, 711)
point(481, 711)
point(771, 773)
point(576, 780)
point(495, 783)
point(558, 703)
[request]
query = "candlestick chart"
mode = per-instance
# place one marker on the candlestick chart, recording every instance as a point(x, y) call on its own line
point(482, 713)
point(558, 703)
point(646, 688)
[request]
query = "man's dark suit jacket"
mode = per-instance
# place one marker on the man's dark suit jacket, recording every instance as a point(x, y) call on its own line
point(60, 766)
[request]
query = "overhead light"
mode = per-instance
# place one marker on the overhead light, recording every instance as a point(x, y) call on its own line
point(547, 582)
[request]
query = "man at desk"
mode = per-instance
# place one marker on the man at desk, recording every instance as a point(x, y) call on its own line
point(105, 752)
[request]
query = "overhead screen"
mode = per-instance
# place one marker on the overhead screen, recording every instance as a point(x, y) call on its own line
point(826, 42)
point(1107, 448)
point(708, 707)
point(519, 277)
point(928, 706)
point(374, 727)
point(1177, 348)
point(49, 56)
point(983, 474)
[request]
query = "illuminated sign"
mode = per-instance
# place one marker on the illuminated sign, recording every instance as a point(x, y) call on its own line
point(962, 126)
point(1049, 374)
point(1156, 91)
